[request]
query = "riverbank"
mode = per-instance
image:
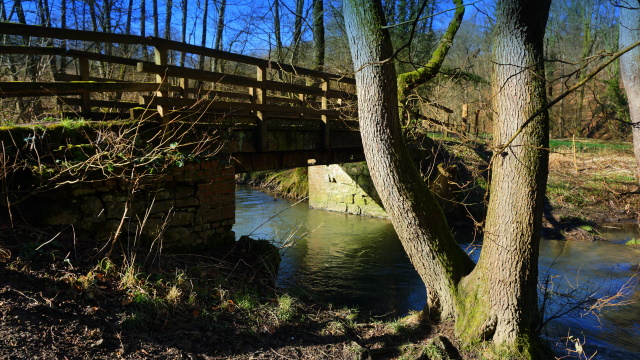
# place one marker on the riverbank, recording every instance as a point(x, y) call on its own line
point(593, 184)
point(65, 299)
point(588, 188)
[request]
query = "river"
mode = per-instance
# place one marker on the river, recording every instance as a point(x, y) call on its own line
point(354, 261)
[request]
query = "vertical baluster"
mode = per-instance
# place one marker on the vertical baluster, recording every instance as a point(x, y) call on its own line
point(324, 106)
point(160, 55)
point(258, 98)
point(85, 108)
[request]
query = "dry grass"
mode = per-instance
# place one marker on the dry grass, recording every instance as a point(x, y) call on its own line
point(594, 182)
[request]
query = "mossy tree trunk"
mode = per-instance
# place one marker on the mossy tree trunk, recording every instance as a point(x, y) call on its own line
point(410, 80)
point(496, 299)
point(412, 208)
point(505, 278)
point(630, 68)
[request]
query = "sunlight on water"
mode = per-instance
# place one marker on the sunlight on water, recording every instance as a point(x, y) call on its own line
point(355, 261)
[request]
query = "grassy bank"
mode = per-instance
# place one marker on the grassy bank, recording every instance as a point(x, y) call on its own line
point(291, 183)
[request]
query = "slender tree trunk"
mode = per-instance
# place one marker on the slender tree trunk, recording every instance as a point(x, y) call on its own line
point(203, 42)
point(587, 42)
point(127, 27)
point(3, 11)
point(167, 27)
point(143, 17)
point(167, 19)
point(297, 31)
point(500, 297)
point(217, 66)
point(318, 34)
point(630, 69)
point(156, 21)
point(19, 10)
point(277, 31)
point(184, 30)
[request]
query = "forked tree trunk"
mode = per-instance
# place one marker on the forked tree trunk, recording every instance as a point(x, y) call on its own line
point(496, 299)
point(630, 68)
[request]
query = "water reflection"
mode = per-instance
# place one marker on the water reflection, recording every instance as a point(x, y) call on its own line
point(345, 259)
point(355, 261)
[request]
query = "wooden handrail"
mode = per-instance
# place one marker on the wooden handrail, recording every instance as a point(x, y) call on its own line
point(167, 98)
point(95, 36)
point(216, 77)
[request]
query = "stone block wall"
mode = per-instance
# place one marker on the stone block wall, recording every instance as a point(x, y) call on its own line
point(188, 207)
point(345, 188)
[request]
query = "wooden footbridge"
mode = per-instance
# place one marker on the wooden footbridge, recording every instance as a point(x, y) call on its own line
point(273, 115)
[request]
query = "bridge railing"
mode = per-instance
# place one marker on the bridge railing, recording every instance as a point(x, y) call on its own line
point(84, 86)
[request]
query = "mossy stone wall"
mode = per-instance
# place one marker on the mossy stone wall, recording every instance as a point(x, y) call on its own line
point(345, 188)
point(186, 208)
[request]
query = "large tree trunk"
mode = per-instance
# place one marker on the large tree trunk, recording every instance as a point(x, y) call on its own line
point(630, 68)
point(412, 208)
point(505, 278)
point(496, 299)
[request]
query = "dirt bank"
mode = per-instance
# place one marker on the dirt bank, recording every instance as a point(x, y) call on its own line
point(64, 300)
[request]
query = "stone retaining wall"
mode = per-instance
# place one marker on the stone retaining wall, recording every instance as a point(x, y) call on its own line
point(188, 207)
point(345, 188)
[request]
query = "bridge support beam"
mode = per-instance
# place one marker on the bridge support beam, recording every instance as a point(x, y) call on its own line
point(345, 187)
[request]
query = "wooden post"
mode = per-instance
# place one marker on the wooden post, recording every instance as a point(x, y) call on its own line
point(575, 159)
point(258, 98)
point(85, 97)
point(465, 119)
point(475, 123)
point(301, 103)
point(184, 84)
point(160, 56)
point(324, 106)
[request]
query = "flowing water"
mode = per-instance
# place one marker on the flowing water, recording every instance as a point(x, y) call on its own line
point(355, 261)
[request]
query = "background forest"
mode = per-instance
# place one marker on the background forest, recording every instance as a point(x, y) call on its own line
point(312, 34)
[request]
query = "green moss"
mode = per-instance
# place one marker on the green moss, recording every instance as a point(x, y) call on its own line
point(633, 242)
point(472, 310)
point(293, 183)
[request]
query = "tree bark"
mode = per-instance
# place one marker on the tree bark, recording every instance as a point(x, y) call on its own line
point(167, 19)
point(500, 297)
point(412, 208)
point(143, 18)
point(497, 299)
point(156, 25)
point(318, 35)
point(219, 32)
point(203, 42)
point(184, 31)
point(277, 31)
point(297, 31)
point(630, 69)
